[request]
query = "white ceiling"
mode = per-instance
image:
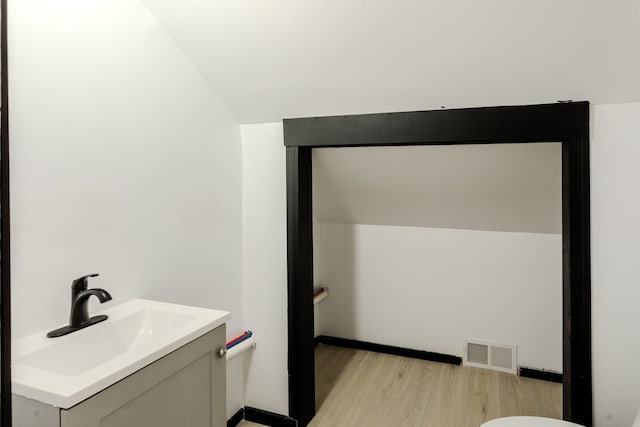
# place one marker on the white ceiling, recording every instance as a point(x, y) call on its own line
point(504, 187)
point(270, 60)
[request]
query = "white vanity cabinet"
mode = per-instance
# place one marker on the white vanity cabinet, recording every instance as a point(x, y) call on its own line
point(187, 387)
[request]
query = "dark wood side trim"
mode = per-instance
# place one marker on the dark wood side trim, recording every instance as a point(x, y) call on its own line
point(268, 418)
point(576, 247)
point(540, 374)
point(236, 418)
point(562, 122)
point(5, 232)
point(300, 285)
point(546, 122)
point(389, 349)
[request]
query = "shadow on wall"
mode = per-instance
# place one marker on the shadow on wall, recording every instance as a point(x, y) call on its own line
point(335, 267)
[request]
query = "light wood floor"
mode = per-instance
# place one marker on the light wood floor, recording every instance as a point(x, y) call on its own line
point(360, 388)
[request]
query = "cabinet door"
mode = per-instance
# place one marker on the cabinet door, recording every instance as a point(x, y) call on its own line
point(184, 388)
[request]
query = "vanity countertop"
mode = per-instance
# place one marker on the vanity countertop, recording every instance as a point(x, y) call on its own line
point(66, 370)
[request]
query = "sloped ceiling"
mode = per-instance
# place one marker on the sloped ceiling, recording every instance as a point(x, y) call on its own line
point(505, 187)
point(270, 60)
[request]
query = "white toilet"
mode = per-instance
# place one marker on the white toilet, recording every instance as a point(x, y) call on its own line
point(537, 422)
point(527, 422)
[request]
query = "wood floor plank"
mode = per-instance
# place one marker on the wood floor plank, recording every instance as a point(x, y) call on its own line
point(361, 388)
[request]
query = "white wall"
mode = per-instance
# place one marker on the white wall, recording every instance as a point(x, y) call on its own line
point(123, 162)
point(615, 249)
point(430, 288)
point(265, 263)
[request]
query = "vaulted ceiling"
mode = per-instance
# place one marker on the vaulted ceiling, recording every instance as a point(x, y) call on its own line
point(504, 187)
point(289, 58)
point(269, 60)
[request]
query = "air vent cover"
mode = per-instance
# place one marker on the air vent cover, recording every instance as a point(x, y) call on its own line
point(489, 355)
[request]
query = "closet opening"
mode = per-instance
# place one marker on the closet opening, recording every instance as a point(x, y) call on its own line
point(447, 255)
point(566, 123)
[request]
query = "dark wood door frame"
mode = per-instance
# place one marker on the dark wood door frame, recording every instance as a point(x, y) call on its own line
point(567, 123)
point(5, 260)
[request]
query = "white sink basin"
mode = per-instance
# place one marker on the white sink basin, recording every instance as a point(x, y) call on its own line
point(66, 370)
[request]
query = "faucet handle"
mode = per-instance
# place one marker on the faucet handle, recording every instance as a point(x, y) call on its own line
point(80, 284)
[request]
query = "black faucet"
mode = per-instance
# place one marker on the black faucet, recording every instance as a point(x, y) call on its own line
point(79, 317)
